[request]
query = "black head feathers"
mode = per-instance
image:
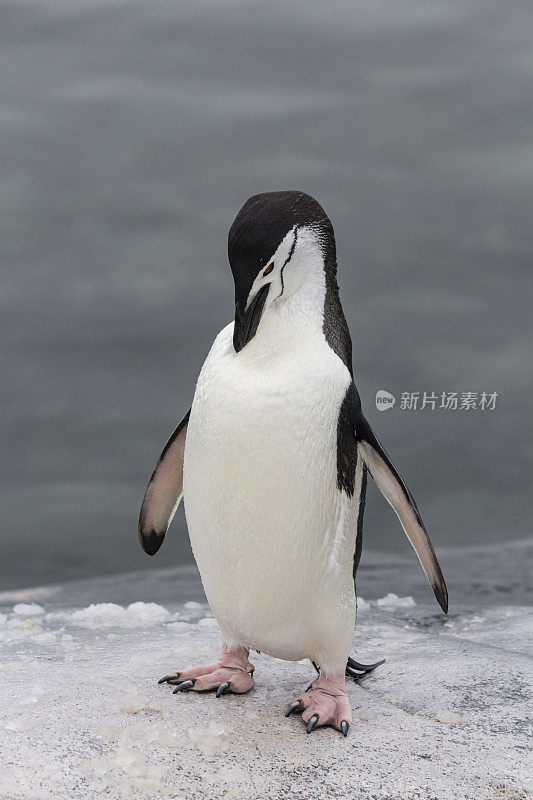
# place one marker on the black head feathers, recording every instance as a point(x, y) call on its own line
point(264, 221)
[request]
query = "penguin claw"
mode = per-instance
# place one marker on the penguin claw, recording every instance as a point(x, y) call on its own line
point(357, 676)
point(357, 671)
point(293, 707)
point(325, 705)
point(311, 725)
point(168, 678)
point(184, 685)
point(232, 672)
point(356, 665)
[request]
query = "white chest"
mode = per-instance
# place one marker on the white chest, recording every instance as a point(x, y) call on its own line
point(261, 499)
point(263, 426)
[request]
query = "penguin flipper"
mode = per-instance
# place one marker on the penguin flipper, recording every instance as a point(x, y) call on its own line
point(164, 492)
point(393, 488)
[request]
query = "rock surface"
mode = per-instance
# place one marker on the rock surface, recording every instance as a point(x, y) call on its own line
point(83, 717)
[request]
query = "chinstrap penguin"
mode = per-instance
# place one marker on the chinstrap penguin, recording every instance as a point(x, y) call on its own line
point(272, 463)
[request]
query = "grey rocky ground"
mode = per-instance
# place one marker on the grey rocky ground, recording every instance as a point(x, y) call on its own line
point(445, 717)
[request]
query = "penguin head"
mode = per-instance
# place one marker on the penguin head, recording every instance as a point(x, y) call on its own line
point(274, 239)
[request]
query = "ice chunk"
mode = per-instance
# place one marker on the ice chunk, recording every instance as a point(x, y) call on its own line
point(28, 610)
point(130, 761)
point(207, 622)
point(208, 740)
point(362, 605)
point(111, 615)
point(134, 702)
point(147, 613)
point(159, 733)
point(18, 628)
point(392, 600)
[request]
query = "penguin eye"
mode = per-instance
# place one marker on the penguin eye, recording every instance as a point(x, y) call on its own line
point(268, 270)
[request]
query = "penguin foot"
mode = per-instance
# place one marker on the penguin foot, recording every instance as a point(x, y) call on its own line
point(232, 673)
point(324, 704)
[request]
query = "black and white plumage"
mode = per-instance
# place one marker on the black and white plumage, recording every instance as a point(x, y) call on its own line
point(273, 457)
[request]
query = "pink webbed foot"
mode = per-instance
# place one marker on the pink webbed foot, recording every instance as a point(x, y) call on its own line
point(232, 673)
point(325, 703)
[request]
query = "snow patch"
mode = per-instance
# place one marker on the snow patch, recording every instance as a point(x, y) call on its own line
point(111, 615)
point(207, 622)
point(28, 610)
point(208, 740)
point(134, 702)
point(123, 764)
point(178, 626)
point(46, 638)
point(392, 600)
point(82, 714)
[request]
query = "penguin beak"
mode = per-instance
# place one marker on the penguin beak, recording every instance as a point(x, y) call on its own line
point(246, 322)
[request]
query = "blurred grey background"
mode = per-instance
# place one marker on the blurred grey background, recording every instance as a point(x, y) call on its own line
point(133, 131)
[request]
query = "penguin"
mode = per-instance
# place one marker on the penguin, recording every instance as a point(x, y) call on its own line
point(272, 462)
